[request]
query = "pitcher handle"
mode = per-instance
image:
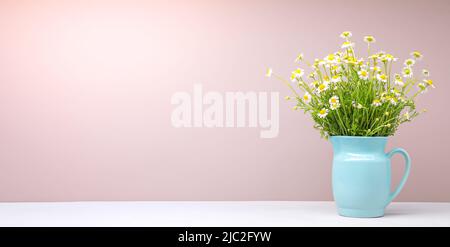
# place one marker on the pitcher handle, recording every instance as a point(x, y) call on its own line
point(405, 175)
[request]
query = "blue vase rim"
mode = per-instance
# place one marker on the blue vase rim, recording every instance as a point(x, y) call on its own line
point(360, 137)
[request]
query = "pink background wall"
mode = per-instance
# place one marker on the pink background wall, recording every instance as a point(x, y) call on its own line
point(85, 90)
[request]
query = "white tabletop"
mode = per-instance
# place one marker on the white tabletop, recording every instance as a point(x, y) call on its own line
point(182, 214)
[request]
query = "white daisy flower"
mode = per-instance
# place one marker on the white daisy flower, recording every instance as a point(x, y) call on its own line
point(407, 72)
point(422, 87)
point(363, 74)
point(369, 39)
point(323, 113)
point(314, 84)
point(374, 56)
point(399, 82)
point(406, 116)
point(347, 44)
point(425, 73)
point(297, 74)
point(322, 87)
point(375, 69)
point(382, 77)
point(429, 83)
point(334, 100)
point(334, 106)
point(395, 92)
point(389, 58)
point(299, 58)
point(376, 102)
point(336, 69)
point(393, 100)
point(350, 60)
point(331, 58)
point(335, 78)
point(269, 72)
point(306, 98)
point(346, 35)
point(409, 62)
point(380, 54)
point(416, 55)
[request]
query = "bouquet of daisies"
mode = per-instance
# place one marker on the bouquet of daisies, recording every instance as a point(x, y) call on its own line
point(347, 95)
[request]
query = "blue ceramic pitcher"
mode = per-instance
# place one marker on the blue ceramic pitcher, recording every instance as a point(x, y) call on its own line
point(362, 175)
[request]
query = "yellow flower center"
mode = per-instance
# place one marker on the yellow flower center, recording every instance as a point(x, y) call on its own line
point(417, 54)
point(323, 111)
point(321, 87)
